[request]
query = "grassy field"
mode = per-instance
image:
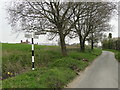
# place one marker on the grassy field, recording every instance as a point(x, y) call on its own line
point(117, 53)
point(52, 70)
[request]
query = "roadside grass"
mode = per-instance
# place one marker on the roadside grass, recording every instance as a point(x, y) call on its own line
point(70, 63)
point(117, 53)
point(16, 58)
point(52, 70)
point(41, 78)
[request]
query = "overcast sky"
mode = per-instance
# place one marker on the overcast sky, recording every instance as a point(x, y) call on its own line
point(7, 35)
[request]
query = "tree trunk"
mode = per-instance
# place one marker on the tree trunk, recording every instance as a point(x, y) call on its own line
point(82, 44)
point(82, 47)
point(63, 45)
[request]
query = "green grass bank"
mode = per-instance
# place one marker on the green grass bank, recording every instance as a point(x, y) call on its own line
point(52, 70)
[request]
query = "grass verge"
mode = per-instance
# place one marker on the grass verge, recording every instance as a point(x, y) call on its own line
point(52, 70)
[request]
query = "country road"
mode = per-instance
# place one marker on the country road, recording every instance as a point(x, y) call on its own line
point(102, 73)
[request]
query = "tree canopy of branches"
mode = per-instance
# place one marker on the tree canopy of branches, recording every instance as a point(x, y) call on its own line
point(61, 18)
point(95, 20)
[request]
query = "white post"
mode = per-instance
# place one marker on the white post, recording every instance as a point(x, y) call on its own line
point(33, 68)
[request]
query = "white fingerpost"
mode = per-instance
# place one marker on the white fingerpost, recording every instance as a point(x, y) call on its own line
point(33, 68)
point(34, 35)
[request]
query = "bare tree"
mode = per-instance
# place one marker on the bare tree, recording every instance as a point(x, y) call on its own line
point(61, 18)
point(96, 15)
point(53, 17)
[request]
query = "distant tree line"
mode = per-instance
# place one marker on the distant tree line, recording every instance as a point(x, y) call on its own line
point(85, 20)
point(111, 43)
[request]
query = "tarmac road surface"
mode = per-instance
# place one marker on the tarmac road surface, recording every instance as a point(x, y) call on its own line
point(102, 73)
